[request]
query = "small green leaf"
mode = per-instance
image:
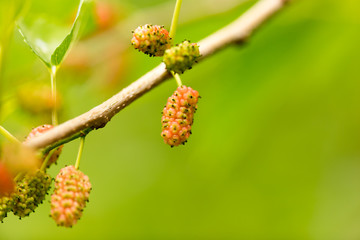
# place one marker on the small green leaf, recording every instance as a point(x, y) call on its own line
point(49, 40)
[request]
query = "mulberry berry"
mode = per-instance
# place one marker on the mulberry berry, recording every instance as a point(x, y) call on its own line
point(72, 189)
point(7, 184)
point(30, 192)
point(151, 39)
point(36, 98)
point(178, 116)
point(181, 57)
point(40, 130)
point(6, 189)
point(6, 203)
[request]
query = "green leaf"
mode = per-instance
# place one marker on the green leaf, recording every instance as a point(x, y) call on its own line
point(49, 40)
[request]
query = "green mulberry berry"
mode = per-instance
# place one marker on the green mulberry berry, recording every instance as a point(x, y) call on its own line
point(36, 98)
point(30, 192)
point(6, 203)
point(181, 57)
point(151, 39)
point(178, 116)
point(72, 189)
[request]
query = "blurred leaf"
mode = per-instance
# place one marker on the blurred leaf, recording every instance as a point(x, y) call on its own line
point(9, 12)
point(20, 158)
point(51, 41)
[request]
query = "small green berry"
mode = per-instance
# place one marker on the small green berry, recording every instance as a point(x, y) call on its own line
point(30, 192)
point(6, 203)
point(181, 57)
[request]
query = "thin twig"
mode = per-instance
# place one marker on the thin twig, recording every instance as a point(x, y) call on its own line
point(236, 32)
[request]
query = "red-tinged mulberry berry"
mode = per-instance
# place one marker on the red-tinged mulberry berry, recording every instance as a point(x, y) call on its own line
point(6, 203)
point(151, 39)
point(30, 192)
point(181, 57)
point(40, 130)
point(106, 14)
point(72, 189)
point(178, 116)
point(7, 187)
point(7, 184)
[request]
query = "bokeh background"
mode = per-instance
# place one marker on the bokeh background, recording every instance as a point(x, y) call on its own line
point(275, 150)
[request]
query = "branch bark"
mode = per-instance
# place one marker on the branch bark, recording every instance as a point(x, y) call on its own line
point(234, 33)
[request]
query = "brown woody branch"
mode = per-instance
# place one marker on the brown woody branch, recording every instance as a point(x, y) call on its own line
point(236, 32)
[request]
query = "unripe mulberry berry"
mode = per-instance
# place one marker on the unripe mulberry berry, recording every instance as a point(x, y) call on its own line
point(37, 132)
point(36, 98)
point(178, 116)
point(181, 57)
point(6, 203)
point(30, 192)
point(72, 189)
point(151, 39)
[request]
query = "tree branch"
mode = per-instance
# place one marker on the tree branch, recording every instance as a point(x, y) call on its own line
point(236, 32)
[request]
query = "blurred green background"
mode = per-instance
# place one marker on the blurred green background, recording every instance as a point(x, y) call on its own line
point(275, 150)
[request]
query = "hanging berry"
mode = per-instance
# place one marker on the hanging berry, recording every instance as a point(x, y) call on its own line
point(37, 132)
point(151, 39)
point(72, 189)
point(30, 192)
point(181, 57)
point(178, 116)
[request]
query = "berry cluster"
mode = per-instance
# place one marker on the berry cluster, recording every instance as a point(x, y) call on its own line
point(30, 191)
point(71, 193)
point(181, 106)
point(151, 39)
point(178, 116)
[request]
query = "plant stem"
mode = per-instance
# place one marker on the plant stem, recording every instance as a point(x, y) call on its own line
point(46, 160)
point(3, 52)
point(54, 117)
point(1, 73)
point(8, 135)
point(82, 133)
point(236, 32)
point(18, 176)
point(177, 78)
point(175, 19)
point(81, 147)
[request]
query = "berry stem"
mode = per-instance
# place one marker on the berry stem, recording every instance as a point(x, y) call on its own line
point(1, 74)
point(82, 133)
point(4, 45)
point(175, 19)
point(177, 78)
point(18, 176)
point(54, 117)
point(8, 135)
point(81, 147)
point(46, 160)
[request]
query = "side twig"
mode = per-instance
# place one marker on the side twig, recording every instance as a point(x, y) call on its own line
point(236, 32)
